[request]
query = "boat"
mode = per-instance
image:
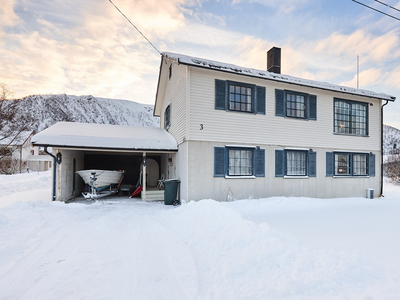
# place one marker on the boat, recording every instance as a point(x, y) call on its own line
point(99, 181)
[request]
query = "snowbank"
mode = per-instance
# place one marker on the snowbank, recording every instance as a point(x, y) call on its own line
point(277, 248)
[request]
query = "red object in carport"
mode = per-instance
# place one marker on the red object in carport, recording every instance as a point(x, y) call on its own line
point(137, 191)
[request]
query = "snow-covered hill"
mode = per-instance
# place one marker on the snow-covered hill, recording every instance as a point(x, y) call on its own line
point(391, 140)
point(46, 110)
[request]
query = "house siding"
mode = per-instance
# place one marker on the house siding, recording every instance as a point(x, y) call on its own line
point(210, 124)
point(176, 96)
point(203, 185)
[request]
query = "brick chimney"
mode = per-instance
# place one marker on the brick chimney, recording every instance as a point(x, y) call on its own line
point(274, 60)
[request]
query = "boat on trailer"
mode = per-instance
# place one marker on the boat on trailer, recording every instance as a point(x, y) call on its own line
point(100, 182)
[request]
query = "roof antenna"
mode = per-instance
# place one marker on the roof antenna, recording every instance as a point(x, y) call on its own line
point(358, 71)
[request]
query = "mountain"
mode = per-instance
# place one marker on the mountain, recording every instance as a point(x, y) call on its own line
point(47, 110)
point(391, 140)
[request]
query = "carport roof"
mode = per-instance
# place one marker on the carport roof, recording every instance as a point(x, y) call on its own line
point(105, 137)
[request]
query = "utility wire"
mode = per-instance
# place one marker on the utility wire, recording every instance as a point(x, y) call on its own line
point(374, 9)
point(388, 5)
point(135, 27)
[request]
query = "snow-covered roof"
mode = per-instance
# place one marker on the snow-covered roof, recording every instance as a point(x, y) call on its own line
point(11, 140)
point(224, 67)
point(102, 136)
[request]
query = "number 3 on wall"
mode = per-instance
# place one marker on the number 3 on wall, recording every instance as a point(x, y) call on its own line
point(201, 127)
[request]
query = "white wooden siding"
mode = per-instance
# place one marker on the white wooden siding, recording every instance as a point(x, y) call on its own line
point(239, 127)
point(176, 95)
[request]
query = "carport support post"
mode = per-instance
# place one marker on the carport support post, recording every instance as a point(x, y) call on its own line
point(144, 177)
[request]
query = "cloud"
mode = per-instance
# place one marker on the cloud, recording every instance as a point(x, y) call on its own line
point(7, 15)
point(368, 77)
point(283, 6)
point(370, 47)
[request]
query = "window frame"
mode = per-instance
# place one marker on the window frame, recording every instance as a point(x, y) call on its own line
point(350, 115)
point(221, 161)
point(306, 162)
point(167, 117)
point(351, 164)
point(306, 104)
point(244, 85)
point(282, 105)
point(251, 150)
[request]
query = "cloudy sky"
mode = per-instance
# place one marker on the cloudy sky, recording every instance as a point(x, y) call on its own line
point(82, 47)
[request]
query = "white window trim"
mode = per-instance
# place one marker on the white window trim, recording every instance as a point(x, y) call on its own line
point(240, 177)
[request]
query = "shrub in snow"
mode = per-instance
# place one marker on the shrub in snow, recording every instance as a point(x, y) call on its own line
point(392, 168)
point(11, 165)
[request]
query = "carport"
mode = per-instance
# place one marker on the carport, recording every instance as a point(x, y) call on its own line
point(84, 146)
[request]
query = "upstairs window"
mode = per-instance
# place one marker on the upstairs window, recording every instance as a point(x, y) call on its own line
point(296, 105)
point(293, 104)
point(238, 96)
point(167, 117)
point(351, 117)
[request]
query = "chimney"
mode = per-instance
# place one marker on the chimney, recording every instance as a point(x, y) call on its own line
point(274, 60)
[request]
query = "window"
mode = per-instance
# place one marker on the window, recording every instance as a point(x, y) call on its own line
point(295, 163)
point(351, 117)
point(167, 117)
point(350, 164)
point(295, 105)
point(238, 96)
point(239, 161)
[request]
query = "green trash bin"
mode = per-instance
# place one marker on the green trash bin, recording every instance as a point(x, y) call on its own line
point(171, 189)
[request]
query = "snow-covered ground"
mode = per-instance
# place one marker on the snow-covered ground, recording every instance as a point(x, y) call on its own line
point(275, 248)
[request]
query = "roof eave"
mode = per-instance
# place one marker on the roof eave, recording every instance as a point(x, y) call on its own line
point(391, 98)
point(77, 147)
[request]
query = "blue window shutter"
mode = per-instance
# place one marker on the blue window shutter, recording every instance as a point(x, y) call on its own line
point(219, 161)
point(371, 164)
point(329, 164)
point(312, 164)
point(279, 163)
point(260, 90)
point(280, 103)
point(260, 162)
point(220, 94)
point(312, 115)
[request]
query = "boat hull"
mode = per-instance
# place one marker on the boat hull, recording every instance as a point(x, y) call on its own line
point(104, 178)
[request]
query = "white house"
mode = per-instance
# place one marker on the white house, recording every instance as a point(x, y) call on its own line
point(246, 133)
point(229, 132)
point(17, 148)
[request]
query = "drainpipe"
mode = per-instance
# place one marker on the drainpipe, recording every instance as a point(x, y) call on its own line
point(381, 194)
point(54, 172)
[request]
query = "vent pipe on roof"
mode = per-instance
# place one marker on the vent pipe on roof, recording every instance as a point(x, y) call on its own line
point(274, 60)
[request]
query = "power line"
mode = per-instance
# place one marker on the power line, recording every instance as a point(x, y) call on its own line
point(387, 5)
point(374, 9)
point(135, 27)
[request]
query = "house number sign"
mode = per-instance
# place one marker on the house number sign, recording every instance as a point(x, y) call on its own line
point(201, 127)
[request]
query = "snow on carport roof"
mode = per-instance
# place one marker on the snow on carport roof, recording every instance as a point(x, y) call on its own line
point(102, 136)
point(230, 68)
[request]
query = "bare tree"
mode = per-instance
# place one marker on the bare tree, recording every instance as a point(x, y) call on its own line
point(11, 125)
point(392, 168)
